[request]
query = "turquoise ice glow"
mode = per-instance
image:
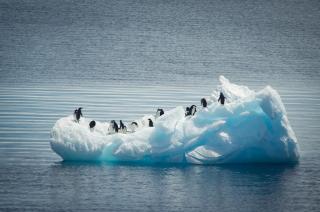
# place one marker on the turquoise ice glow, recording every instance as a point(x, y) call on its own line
point(252, 127)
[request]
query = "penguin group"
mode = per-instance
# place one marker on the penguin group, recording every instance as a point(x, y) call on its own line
point(113, 126)
point(121, 128)
point(190, 111)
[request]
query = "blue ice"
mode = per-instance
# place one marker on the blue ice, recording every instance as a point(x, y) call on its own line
point(252, 127)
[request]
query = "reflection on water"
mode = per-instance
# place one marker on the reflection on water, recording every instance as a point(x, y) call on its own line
point(32, 176)
point(163, 187)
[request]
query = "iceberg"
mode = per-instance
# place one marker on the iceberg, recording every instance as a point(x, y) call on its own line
point(252, 127)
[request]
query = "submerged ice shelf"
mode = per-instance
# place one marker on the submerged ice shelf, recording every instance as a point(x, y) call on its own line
point(252, 127)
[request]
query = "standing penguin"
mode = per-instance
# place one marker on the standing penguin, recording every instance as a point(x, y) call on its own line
point(190, 111)
point(159, 113)
point(123, 128)
point(78, 114)
point(221, 98)
point(193, 110)
point(113, 127)
point(204, 102)
point(150, 123)
point(187, 111)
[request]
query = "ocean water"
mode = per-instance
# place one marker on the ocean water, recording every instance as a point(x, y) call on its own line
point(124, 59)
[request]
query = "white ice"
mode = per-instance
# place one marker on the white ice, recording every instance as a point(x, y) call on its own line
point(252, 127)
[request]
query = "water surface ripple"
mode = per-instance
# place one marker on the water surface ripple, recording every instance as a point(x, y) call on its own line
point(124, 59)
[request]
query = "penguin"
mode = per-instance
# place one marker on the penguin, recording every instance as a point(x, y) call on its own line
point(78, 114)
point(113, 126)
point(204, 102)
point(187, 111)
point(92, 124)
point(159, 113)
point(193, 110)
point(190, 111)
point(123, 128)
point(150, 123)
point(134, 125)
point(221, 98)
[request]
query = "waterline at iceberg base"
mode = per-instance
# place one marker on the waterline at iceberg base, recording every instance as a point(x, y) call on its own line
point(252, 127)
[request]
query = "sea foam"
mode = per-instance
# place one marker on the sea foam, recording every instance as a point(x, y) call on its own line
point(252, 127)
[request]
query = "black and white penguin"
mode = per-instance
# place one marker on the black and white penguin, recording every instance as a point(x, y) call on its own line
point(221, 98)
point(78, 114)
point(150, 123)
point(123, 128)
point(193, 110)
point(113, 126)
point(190, 111)
point(204, 102)
point(92, 124)
point(187, 111)
point(159, 113)
point(134, 125)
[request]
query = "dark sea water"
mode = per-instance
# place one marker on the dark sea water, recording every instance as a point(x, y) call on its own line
point(123, 59)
